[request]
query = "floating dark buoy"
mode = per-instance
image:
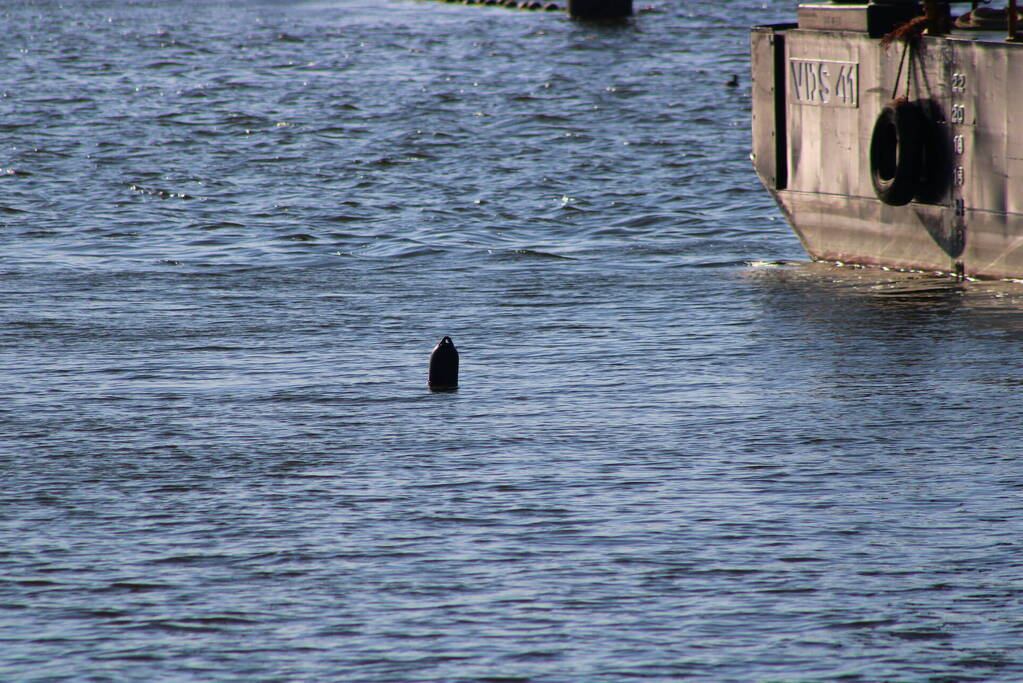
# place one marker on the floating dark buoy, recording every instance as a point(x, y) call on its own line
point(599, 9)
point(444, 366)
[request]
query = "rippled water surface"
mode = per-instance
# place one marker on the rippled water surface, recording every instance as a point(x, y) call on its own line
point(230, 235)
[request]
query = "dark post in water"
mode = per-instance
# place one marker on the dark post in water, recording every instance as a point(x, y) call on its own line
point(444, 366)
point(599, 9)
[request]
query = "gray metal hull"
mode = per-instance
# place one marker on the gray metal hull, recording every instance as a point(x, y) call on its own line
point(816, 96)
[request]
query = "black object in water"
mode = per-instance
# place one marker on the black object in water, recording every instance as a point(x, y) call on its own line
point(444, 366)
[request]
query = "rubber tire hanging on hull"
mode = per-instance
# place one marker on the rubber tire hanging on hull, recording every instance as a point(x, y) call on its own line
point(896, 152)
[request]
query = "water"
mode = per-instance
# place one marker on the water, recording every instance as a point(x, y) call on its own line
point(230, 235)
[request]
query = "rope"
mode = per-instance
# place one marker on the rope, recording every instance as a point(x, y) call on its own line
point(898, 76)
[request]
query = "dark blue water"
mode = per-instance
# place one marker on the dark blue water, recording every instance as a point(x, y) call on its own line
point(230, 235)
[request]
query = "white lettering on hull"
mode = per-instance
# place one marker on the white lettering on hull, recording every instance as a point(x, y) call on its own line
point(824, 82)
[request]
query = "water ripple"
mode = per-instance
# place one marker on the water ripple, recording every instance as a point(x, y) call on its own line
point(229, 240)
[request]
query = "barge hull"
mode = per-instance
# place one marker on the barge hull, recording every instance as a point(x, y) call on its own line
point(817, 93)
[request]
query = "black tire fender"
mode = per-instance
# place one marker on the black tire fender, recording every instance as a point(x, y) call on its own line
point(896, 152)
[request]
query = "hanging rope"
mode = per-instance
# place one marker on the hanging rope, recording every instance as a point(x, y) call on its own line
point(898, 75)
